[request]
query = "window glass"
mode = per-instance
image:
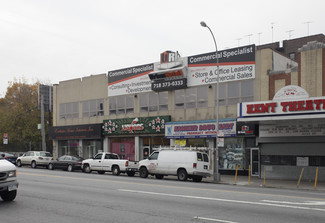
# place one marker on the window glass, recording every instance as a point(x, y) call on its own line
point(180, 99)
point(144, 102)
point(190, 97)
point(61, 158)
point(205, 157)
point(222, 93)
point(199, 157)
point(153, 101)
point(129, 104)
point(154, 156)
point(98, 156)
point(112, 105)
point(202, 97)
point(163, 101)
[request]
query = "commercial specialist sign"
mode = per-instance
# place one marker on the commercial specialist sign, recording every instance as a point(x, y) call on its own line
point(130, 80)
point(234, 65)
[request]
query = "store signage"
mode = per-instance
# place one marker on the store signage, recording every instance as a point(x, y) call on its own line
point(75, 132)
point(130, 80)
point(200, 129)
point(293, 129)
point(234, 65)
point(288, 107)
point(246, 129)
point(163, 85)
point(169, 56)
point(141, 125)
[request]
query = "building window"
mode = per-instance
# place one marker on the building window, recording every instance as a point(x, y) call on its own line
point(292, 56)
point(153, 101)
point(121, 105)
point(93, 108)
point(69, 110)
point(196, 97)
point(231, 93)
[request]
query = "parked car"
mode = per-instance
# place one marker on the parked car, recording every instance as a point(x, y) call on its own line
point(8, 182)
point(181, 163)
point(109, 162)
point(10, 157)
point(34, 159)
point(66, 162)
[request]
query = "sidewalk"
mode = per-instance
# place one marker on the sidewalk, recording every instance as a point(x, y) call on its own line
point(258, 182)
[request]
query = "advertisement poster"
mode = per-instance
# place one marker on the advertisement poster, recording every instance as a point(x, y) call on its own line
point(130, 80)
point(234, 65)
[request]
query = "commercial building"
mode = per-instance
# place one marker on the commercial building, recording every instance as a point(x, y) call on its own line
point(172, 102)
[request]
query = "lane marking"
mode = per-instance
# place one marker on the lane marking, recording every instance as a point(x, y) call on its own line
point(165, 186)
point(316, 203)
point(213, 219)
point(224, 200)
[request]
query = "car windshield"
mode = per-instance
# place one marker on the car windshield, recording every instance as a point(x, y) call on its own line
point(45, 154)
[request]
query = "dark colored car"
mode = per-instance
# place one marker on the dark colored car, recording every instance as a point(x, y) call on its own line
point(66, 162)
point(8, 156)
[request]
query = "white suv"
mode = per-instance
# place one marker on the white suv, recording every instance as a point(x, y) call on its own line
point(34, 159)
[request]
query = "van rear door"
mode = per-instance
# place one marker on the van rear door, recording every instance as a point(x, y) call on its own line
point(202, 162)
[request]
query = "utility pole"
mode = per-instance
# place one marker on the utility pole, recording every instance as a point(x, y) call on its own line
point(42, 124)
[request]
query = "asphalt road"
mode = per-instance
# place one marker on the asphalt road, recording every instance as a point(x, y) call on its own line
point(60, 196)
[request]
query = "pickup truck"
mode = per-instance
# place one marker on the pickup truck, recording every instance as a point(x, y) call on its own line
point(8, 182)
point(109, 162)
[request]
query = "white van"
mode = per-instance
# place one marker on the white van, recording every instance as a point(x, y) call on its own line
point(181, 163)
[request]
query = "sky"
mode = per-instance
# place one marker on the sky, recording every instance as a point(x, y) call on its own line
point(49, 41)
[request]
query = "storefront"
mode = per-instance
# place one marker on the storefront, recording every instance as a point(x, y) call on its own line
point(135, 138)
point(291, 134)
point(232, 149)
point(78, 140)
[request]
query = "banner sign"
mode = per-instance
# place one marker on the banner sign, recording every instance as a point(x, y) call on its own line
point(75, 132)
point(131, 126)
point(164, 85)
point(281, 108)
point(200, 129)
point(130, 80)
point(234, 65)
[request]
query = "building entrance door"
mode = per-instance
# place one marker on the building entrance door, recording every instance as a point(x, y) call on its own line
point(255, 162)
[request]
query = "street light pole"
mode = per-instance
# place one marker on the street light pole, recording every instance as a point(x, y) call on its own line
point(216, 175)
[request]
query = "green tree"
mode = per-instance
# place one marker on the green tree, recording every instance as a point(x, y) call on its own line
point(19, 116)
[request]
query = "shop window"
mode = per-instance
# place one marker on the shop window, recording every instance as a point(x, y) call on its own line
point(232, 154)
point(93, 108)
point(69, 110)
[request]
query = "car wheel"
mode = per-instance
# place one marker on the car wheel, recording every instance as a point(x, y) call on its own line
point(130, 173)
point(197, 178)
point(143, 172)
point(8, 195)
point(18, 163)
point(159, 176)
point(182, 175)
point(87, 169)
point(70, 168)
point(116, 170)
point(33, 164)
point(51, 166)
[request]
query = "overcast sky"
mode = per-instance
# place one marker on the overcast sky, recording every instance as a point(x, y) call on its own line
point(57, 40)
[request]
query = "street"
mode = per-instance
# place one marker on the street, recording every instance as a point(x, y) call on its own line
point(61, 196)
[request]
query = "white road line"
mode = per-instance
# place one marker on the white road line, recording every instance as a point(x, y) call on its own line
point(215, 220)
point(224, 200)
point(316, 203)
